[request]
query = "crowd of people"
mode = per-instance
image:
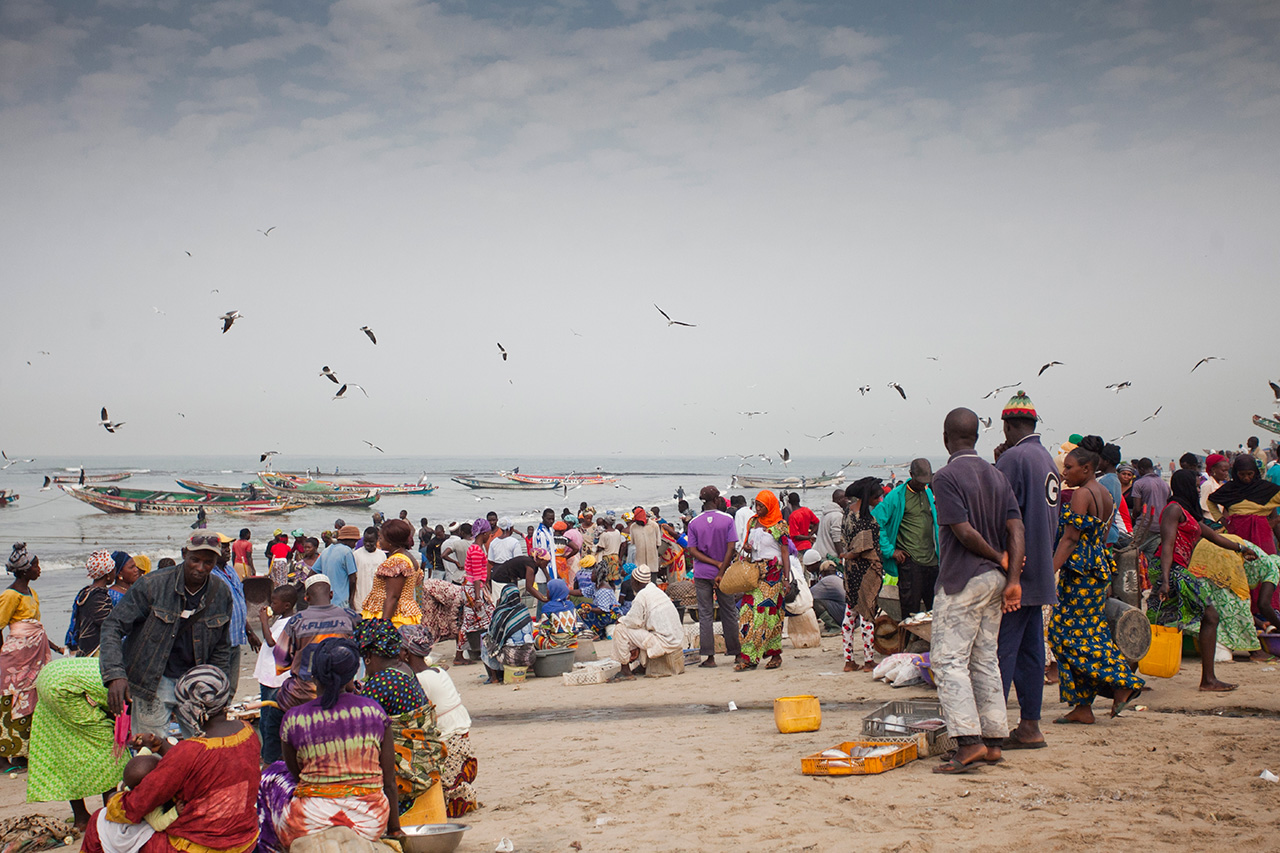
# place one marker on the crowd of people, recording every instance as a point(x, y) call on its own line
point(1013, 561)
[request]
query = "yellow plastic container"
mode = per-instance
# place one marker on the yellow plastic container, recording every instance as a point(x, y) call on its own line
point(514, 674)
point(1164, 659)
point(797, 714)
point(429, 807)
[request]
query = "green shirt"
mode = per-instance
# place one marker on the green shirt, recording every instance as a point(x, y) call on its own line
point(915, 533)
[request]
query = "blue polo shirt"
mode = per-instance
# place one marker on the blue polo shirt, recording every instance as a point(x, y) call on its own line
point(338, 564)
point(1033, 476)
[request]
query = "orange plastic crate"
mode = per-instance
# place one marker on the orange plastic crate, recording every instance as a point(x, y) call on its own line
point(821, 765)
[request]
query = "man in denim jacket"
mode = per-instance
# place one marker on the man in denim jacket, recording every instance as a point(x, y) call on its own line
point(168, 622)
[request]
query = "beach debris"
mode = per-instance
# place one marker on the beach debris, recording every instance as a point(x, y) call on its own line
point(671, 322)
point(1139, 707)
point(229, 318)
point(733, 705)
point(1047, 366)
point(504, 846)
point(604, 820)
point(576, 845)
point(863, 389)
point(1268, 776)
point(369, 332)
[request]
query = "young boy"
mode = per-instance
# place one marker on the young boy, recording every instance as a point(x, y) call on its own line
point(283, 601)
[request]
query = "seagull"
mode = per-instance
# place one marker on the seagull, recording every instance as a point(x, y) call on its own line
point(895, 386)
point(229, 318)
point(1047, 366)
point(785, 456)
point(158, 311)
point(369, 332)
point(575, 332)
point(930, 358)
point(107, 423)
point(325, 371)
point(986, 423)
point(344, 388)
point(1152, 416)
point(1126, 435)
point(863, 389)
point(503, 350)
point(374, 446)
point(9, 461)
point(266, 233)
point(1275, 389)
point(215, 290)
point(1120, 386)
point(820, 437)
point(188, 254)
point(991, 394)
point(671, 322)
point(265, 456)
point(1206, 358)
point(752, 414)
point(182, 414)
point(47, 481)
point(483, 498)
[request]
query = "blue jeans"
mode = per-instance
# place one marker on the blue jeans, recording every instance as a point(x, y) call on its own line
point(269, 726)
point(1022, 658)
point(152, 716)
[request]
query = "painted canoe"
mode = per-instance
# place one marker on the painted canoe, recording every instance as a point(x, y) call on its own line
point(146, 502)
point(510, 485)
point(316, 498)
point(93, 478)
point(825, 481)
point(1266, 423)
point(566, 480)
point(242, 492)
point(295, 481)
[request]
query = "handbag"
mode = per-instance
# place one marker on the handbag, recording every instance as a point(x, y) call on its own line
point(741, 577)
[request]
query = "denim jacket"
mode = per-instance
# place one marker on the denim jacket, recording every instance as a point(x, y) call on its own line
point(138, 635)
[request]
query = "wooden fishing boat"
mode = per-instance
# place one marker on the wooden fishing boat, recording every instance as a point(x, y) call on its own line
point(93, 478)
point(822, 481)
point(287, 481)
point(317, 497)
point(6, 498)
point(510, 485)
point(566, 480)
point(242, 492)
point(113, 499)
point(1266, 423)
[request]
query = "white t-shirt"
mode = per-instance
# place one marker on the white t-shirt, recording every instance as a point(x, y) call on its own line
point(451, 714)
point(740, 519)
point(366, 564)
point(265, 669)
point(506, 548)
point(457, 547)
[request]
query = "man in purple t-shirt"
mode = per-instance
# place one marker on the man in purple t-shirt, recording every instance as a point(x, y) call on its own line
point(712, 537)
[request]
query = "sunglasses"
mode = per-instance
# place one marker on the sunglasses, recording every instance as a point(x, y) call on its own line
point(205, 540)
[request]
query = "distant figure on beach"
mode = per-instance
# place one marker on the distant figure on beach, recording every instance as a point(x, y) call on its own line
point(909, 538)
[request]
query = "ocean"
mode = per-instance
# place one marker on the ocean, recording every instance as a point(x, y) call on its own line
point(63, 531)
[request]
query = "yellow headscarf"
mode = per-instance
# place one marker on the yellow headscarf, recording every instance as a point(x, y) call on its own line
point(143, 562)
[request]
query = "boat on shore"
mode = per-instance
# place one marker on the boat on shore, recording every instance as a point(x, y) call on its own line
point(320, 497)
point(822, 481)
point(286, 481)
point(112, 499)
point(566, 480)
point(509, 485)
point(113, 477)
point(1266, 423)
point(243, 492)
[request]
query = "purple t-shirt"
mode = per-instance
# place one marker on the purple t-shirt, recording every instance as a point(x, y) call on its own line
point(970, 489)
point(711, 532)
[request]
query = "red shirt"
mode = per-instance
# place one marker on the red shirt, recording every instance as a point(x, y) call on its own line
point(799, 525)
point(240, 550)
point(280, 551)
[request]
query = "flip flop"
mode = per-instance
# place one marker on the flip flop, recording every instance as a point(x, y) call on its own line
point(1014, 743)
point(1133, 697)
point(955, 768)
point(951, 756)
point(619, 677)
point(708, 663)
point(1063, 721)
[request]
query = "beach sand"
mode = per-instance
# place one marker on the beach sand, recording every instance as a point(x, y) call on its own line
point(662, 765)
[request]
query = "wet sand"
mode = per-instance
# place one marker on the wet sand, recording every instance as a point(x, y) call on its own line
point(662, 765)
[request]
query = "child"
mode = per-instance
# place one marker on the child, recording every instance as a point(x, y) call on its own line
point(131, 836)
point(283, 600)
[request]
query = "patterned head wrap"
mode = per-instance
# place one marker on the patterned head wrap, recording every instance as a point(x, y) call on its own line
point(143, 562)
point(202, 692)
point(99, 565)
point(417, 640)
point(1126, 468)
point(19, 560)
point(377, 637)
point(541, 554)
point(334, 662)
point(120, 558)
point(480, 526)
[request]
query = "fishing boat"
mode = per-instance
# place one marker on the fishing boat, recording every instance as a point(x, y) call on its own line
point(822, 481)
point(285, 481)
point(115, 477)
point(242, 491)
point(566, 480)
point(513, 485)
point(1266, 423)
point(147, 502)
point(6, 498)
point(324, 497)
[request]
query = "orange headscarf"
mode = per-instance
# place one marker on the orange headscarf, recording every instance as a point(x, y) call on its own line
point(774, 510)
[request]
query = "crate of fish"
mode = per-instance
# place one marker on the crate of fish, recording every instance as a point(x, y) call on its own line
point(593, 672)
point(911, 717)
point(860, 758)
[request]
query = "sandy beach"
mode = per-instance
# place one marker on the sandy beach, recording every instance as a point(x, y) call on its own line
point(662, 765)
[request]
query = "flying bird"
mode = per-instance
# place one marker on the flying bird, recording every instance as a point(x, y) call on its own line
point(266, 233)
point(188, 254)
point(1126, 435)
point(374, 446)
point(1120, 386)
point(215, 290)
point(1152, 416)
point(158, 311)
point(107, 423)
point(502, 350)
point(267, 455)
point(671, 322)
point(47, 481)
point(895, 386)
point(930, 358)
point(785, 456)
point(863, 389)
point(369, 332)
point(986, 423)
point(1047, 366)
point(181, 414)
point(343, 390)
point(325, 371)
point(229, 318)
point(9, 461)
point(1206, 358)
point(752, 414)
point(991, 394)
point(820, 437)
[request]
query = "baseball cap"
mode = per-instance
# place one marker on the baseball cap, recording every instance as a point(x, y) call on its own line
point(205, 542)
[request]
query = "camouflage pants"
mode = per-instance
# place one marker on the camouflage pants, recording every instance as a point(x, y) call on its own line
point(965, 658)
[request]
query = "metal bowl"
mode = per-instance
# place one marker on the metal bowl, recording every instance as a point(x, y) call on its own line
point(433, 837)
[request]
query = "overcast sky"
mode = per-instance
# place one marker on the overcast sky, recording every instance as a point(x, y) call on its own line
point(833, 192)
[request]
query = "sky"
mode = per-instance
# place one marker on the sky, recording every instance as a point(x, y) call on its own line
point(840, 194)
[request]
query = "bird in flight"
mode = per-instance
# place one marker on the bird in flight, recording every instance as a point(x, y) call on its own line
point(1206, 358)
point(107, 423)
point(1126, 435)
point(895, 386)
point(229, 318)
point(1120, 386)
point(752, 414)
point(930, 358)
point(265, 456)
point(369, 332)
point(785, 456)
point(325, 371)
point(215, 290)
point(986, 423)
point(1047, 366)
point(47, 481)
point(343, 390)
point(1152, 416)
point(820, 437)
point(374, 446)
point(502, 350)
point(158, 311)
point(8, 461)
point(266, 233)
point(188, 254)
point(863, 389)
point(671, 322)
point(991, 394)
point(1275, 389)
point(181, 414)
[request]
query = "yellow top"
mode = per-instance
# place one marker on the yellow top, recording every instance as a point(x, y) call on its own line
point(16, 607)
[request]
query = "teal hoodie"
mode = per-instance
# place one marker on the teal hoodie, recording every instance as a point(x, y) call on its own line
point(888, 514)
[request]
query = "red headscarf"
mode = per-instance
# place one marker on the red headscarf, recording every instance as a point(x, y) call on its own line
point(1213, 459)
point(640, 515)
point(773, 511)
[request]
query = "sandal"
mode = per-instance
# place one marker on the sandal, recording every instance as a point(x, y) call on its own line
point(621, 676)
point(773, 663)
point(743, 666)
point(952, 767)
point(1120, 706)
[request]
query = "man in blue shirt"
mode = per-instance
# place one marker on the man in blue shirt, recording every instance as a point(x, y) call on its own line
point(239, 630)
point(338, 564)
point(1033, 475)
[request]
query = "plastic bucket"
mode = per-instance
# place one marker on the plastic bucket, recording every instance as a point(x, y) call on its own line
point(1165, 657)
point(551, 663)
point(797, 714)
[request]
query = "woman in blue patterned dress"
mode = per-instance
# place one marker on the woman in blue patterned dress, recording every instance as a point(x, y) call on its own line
point(1088, 661)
